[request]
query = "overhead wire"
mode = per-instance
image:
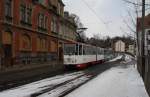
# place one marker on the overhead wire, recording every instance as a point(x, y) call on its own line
point(99, 18)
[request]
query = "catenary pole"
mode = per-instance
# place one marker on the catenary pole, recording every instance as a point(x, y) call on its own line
point(143, 40)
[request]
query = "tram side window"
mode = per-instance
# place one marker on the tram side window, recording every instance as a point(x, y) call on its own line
point(102, 51)
point(84, 53)
point(80, 49)
point(85, 50)
point(105, 52)
point(148, 52)
point(69, 49)
point(76, 49)
point(93, 50)
point(98, 51)
point(148, 42)
point(90, 50)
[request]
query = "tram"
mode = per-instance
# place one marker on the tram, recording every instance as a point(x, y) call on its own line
point(80, 55)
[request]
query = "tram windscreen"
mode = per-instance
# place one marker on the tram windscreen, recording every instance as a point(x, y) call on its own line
point(69, 49)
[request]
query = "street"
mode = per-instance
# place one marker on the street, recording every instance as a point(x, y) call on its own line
point(70, 84)
point(61, 84)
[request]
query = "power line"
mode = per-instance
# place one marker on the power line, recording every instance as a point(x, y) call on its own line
point(93, 11)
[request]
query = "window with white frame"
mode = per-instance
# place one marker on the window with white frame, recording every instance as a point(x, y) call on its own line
point(25, 14)
point(54, 25)
point(42, 22)
point(8, 8)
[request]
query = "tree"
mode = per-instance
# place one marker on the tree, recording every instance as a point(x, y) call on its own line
point(80, 28)
point(133, 15)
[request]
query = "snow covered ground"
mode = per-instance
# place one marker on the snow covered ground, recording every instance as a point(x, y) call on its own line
point(62, 89)
point(121, 81)
point(35, 87)
point(115, 59)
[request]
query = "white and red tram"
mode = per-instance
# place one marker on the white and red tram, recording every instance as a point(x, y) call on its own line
point(80, 55)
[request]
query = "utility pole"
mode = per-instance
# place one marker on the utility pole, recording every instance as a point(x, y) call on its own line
point(143, 40)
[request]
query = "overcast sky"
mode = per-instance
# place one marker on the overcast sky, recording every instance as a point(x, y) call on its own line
point(104, 17)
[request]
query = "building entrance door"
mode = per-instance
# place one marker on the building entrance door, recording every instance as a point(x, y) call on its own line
point(7, 49)
point(7, 55)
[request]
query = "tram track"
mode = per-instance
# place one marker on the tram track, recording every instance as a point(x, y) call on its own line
point(67, 86)
point(36, 89)
point(73, 88)
point(57, 86)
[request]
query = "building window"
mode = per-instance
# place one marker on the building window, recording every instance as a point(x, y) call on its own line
point(53, 46)
point(60, 29)
point(42, 22)
point(38, 43)
point(41, 44)
point(23, 13)
point(8, 10)
point(26, 42)
point(59, 9)
point(7, 38)
point(54, 25)
point(45, 22)
point(148, 42)
point(26, 15)
point(148, 52)
point(148, 32)
point(29, 15)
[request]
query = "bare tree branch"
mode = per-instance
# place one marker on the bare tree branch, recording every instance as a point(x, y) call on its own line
point(136, 6)
point(129, 27)
point(132, 19)
point(127, 1)
point(130, 35)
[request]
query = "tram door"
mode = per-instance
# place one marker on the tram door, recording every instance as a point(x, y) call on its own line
point(7, 54)
point(60, 52)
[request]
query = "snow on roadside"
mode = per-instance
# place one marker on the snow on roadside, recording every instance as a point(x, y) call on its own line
point(128, 58)
point(35, 87)
point(115, 59)
point(122, 81)
point(62, 89)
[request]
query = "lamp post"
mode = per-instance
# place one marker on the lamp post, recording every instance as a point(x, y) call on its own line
point(143, 40)
point(79, 31)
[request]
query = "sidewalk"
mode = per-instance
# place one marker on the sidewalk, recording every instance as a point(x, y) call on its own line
point(24, 74)
point(122, 81)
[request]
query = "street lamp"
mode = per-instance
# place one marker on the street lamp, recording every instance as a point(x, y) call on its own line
point(143, 40)
point(80, 31)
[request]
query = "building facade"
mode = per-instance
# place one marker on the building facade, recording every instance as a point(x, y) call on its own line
point(30, 32)
point(131, 49)
point(119, 46)
point(144, 68)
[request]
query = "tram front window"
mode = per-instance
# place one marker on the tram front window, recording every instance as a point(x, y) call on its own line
point(69, 49)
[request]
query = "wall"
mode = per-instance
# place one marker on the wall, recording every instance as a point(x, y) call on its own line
point(120, 46)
